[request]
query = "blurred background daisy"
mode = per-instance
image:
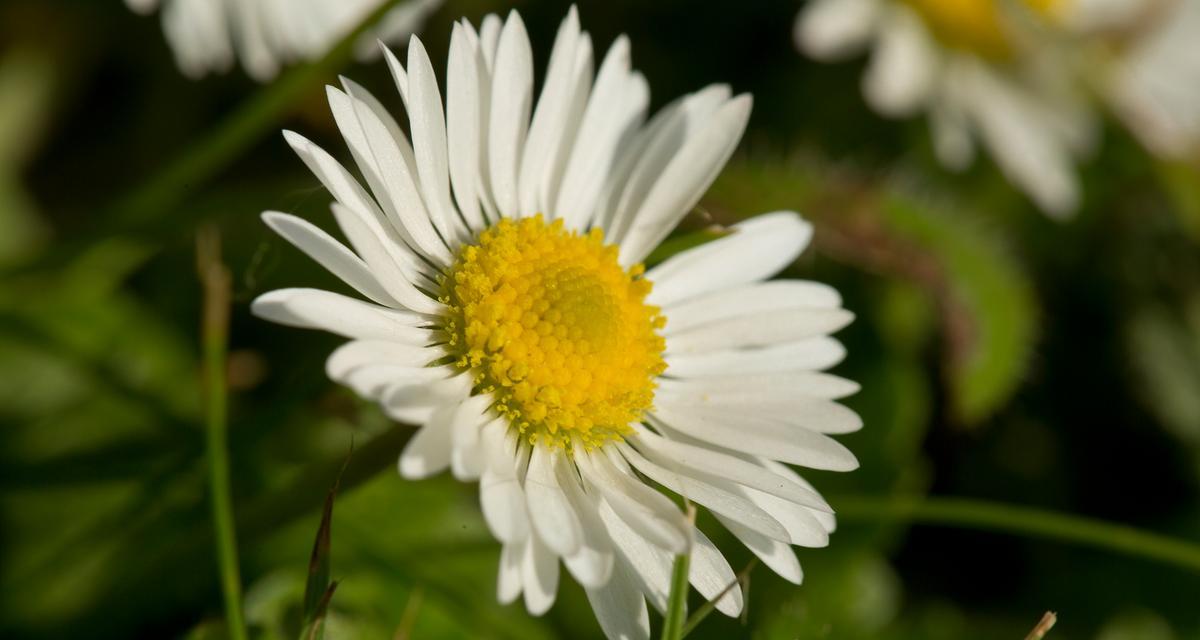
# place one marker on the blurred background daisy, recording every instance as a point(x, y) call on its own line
point(1027, 382)
point(1021, 78)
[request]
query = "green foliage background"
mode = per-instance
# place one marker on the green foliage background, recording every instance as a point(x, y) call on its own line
point(1002, 356)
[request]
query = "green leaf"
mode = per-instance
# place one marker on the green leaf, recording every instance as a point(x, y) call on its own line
point(315, 628)
point(988, 308)
point(318, 589)
point(317, 585)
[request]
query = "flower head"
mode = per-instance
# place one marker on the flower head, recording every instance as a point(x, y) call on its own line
point(1016, 76)
point(513, 320)
point(267, 34)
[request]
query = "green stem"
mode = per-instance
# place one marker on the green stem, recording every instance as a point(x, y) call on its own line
point(990, 516)
point(215, 330)
point(676, 613)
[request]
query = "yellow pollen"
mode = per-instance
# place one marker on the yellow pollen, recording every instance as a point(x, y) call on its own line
point(980, 26)
point(555, 330)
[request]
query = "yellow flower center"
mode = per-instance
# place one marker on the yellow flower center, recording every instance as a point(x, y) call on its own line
point(555, 330)
point(980, 26)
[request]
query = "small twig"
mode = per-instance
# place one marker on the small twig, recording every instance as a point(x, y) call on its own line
point(1043, 625)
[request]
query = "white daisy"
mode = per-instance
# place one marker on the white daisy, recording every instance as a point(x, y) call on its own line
point(511, 318)
point(977, 67)
point(268, 34)
point(1152, 77)
point(1015, 75)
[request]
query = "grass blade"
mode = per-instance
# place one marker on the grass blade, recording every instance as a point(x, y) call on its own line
point(215, 280)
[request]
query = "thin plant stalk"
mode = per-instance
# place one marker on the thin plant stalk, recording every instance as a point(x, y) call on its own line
point(215, 282)
point(676, 613)
point(1038, 523)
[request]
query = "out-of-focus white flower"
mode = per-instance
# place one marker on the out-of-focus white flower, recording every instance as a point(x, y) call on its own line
point(1015, 76)
point(512, 319)
point(265, 35)
point(1153, 78)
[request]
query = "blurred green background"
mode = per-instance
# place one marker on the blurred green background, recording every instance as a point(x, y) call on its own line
point(1002, 357)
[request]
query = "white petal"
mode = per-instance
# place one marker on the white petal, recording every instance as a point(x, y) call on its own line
point(618, 99)
point(642, 159)
point(428, 451)
point(373, 381)
point(759, 248)
point(689, 484)
point(666, 134)
point(760, 437)
point(384, 257)
point(814, 353)
point(335, 313)
point(802, 525)
point(775, 554)
point(464, 121)
point(551, 116)
point(810, 354)
point(489, 38)
point(1024, 142)
point(747, 300)
point(512, 96)
point(951, 133)
point(592, 566)
point(620, 607)
point(648, 564)
point(827, 520)
point(799, 408)
point(579, 92)
point(428, 125)
point(466, 459)
point(549, 509)
point(363, 353)
point(834, 29)
point(539, 574)
point(329, 253)
point(899, 79)
point(710, 573)
point(686, 178)
point(408, 402)
point(703, 462)
point(737, 387)
point(399, 75)
point(765, 329)
point(650, 513)
point(508, 582)
point(500, 492)
point(379, 139)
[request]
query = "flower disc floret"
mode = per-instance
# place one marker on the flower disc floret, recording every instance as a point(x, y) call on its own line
point(555, 329)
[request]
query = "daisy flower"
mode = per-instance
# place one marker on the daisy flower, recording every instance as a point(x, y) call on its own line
point(980, 71)
point(1151, 67)
point(511, 317)
point(265, 35)
point(1016, 76)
